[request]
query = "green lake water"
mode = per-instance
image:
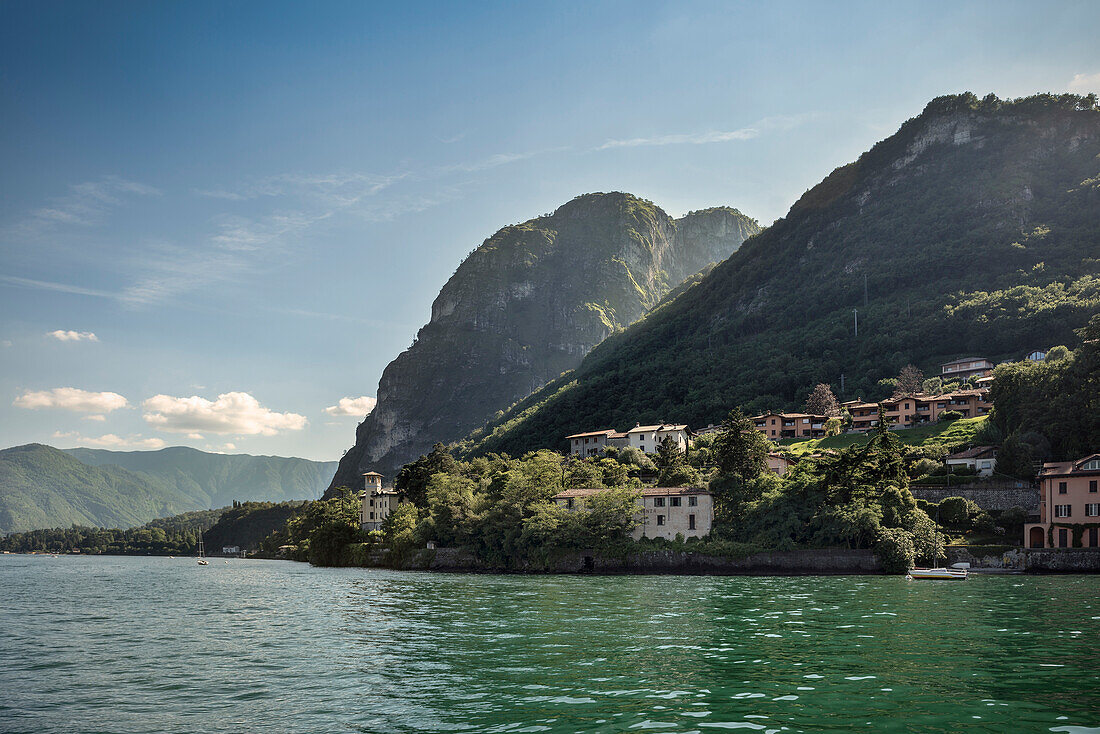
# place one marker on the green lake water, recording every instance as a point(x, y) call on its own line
point(115, 644)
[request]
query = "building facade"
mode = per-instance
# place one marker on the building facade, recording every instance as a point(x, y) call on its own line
point(375, 503)
point(790, 425)
point(664, 512)
point(1069, 505)
point(960, 369)
point(907, 411)
point(591, 443)
point(648, 438)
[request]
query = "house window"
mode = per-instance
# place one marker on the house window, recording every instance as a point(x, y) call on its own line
point(1092, 485)
point(691, 522)
point(1061, 487)
point(660, 519)
point(693, 501)
point(673, 501)
point(569, 503)
point(372, 503)
point(658, 502)
point(372, 516)
point(1092, 465)
point(1092, 510)
point(1093, 537)
point(1063, 510)
point(1063, 538)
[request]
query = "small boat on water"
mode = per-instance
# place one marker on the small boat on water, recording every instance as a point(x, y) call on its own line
point(937, 574)
point(202, 555)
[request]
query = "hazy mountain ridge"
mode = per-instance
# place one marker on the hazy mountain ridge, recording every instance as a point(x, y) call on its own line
point(974, 229)
point(44, 487)
point(527, 305)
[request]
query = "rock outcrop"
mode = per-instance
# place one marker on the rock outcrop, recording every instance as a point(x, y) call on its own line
point(527, 305)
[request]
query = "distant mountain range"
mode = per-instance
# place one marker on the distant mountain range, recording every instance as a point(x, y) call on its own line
point(526, 305)
point(44, 487)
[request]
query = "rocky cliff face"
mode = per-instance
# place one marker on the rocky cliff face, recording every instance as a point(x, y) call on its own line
point(527, 305)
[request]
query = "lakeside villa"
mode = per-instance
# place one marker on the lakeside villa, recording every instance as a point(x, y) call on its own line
point(665, 512)
point(1069, 505)
point(375, 503)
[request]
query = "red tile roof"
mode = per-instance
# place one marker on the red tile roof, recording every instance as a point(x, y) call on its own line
point(645, 491)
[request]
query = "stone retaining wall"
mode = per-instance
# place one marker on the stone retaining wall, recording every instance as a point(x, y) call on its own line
point(1031, 560)
point(987, 498)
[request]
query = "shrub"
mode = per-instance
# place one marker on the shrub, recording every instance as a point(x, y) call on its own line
point(894, 550)
point(950, 415)
point(955, 512)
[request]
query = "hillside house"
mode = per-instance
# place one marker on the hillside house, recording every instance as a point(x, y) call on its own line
point(790, 425)
point(648, 438)
point(1068, 497)
point(982, 459)
point(375, 503)
point(664, 512)
point(960, 369)
point(593, 443)
point(778, 463)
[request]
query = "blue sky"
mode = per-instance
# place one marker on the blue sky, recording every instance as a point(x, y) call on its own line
point(251, 205)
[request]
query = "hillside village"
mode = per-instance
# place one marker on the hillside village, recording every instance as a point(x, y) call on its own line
point(959, 392)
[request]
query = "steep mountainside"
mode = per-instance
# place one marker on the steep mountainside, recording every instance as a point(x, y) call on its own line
point(527, 305)
point(42, 487)
point(216, 480)
point(975, 229)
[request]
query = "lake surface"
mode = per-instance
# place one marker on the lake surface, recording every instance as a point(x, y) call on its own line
point(115, 644)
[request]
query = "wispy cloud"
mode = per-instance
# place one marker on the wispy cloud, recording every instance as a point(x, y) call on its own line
point(62, 335)
point(776, 122)
point(1085, 83)
point(87, 204)
point(745, 133)
point(47, 285)
point(71, 398)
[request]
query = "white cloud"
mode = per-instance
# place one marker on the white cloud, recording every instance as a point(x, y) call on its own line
point(228, 446)
point(71, 398)
point(232, 413)
point(1085, 83)
point(97, 418)
point(5, 343)
point(111, 441)
point(73, 336)
point(357, 407)
point(196, 436)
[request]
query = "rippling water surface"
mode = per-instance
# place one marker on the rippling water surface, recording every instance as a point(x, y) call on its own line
point(111, 644)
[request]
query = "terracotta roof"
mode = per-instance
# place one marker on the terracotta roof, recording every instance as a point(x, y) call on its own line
point(977, 452)
point(965, 359)
point(604, 432)
point(661, 427)
point(1065, 468)
point(645, 491)
point(371, 474)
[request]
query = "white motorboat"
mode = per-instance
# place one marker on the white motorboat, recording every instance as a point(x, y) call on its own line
point(937, 574)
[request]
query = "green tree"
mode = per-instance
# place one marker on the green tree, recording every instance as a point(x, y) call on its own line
point(739, 449)
point(412, 481)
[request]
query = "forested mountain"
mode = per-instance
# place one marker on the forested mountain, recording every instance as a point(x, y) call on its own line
point(975, 229)
point(216, 480)
point(527, 305)
point(44, 487)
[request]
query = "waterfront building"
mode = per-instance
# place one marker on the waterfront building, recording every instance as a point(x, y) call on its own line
point(664, 512)
point(375, 503)
point(1069, 505)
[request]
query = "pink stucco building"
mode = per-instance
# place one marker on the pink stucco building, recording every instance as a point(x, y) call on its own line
point(1069, 505)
